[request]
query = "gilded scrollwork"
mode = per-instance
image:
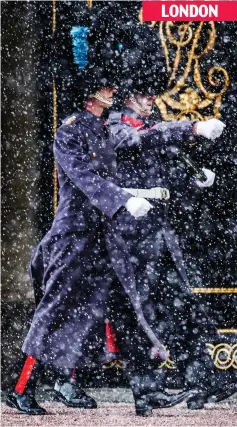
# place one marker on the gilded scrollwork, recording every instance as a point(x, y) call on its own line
point(224, 357)
point(185, 45)
point(89, 3)
point(116, 363)
point(187, 95)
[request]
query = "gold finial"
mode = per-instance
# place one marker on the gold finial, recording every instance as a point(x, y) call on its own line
point(53, 15)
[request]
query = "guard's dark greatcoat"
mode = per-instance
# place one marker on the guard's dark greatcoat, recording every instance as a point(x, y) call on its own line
point(76, 278)
point(75, 263)
point(167, 298)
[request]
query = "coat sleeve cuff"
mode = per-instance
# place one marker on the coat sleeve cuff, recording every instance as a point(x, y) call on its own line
point(110, 198)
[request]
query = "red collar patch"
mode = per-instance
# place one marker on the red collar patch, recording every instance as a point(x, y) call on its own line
point(135, 123)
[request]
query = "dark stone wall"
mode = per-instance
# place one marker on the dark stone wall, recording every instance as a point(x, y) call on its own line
point(26, 161)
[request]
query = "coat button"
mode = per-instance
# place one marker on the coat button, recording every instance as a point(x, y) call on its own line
point(94, 155)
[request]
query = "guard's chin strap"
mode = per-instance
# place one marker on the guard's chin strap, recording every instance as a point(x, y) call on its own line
point(102, 98)
point(136, 103)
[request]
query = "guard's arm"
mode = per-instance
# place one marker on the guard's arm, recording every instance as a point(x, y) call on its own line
point(162, 134)
point(77, 165)
point(183, 133)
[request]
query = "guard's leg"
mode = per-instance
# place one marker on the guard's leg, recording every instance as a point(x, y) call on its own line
point(23, 395)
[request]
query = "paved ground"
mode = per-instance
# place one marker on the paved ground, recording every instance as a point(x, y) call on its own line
point(116, 409)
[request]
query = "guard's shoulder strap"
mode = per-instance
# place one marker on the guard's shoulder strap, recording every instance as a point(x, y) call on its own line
point(70, 119)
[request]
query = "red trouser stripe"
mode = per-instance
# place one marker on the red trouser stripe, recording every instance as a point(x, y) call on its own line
point(25, 374)
point(111, 340)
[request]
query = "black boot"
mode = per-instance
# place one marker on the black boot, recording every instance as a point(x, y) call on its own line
point(23, 396)
point(198, 398)
point(215, 387)
point(72, 395)
point(26, 404)
point(223, 393)
point(149, 395)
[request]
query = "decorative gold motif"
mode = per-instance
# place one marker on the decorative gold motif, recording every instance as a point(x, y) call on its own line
point(55, 173)
point(214, 290)
point(54, 15)
point(119, 364)
point(70, 120)
point(89, 3)
point(182, 102)
point(190, 102)
point(169, 364)
point(224, 355)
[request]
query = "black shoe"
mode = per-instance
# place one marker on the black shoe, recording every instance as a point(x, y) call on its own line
point(221, 394)
point(158, 400)
point(165, 400)
point(73, 396)
point(148, 393)
point(24, 403)
point(198, 399)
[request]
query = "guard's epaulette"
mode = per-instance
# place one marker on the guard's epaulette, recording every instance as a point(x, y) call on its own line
point(69, 120)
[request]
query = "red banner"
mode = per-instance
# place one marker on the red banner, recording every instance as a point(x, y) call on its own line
point(189, 10)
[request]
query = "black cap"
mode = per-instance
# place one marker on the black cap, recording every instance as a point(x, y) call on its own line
point(92, 79)
point(144, 65)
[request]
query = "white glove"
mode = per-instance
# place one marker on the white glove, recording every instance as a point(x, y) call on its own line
point(137, 206)
point(210, 179)
point(211, 129)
